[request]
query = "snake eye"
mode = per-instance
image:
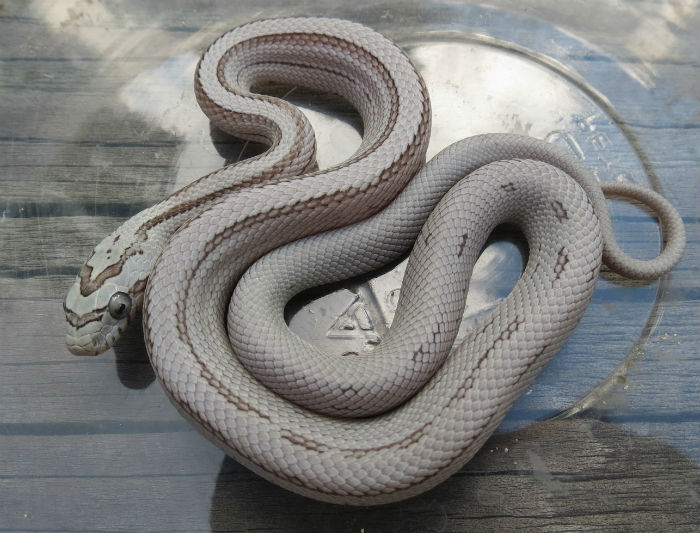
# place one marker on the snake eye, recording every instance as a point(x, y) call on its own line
point(119, 305)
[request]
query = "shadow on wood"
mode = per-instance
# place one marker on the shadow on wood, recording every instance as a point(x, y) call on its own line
point(133, 366)
point(518, 481)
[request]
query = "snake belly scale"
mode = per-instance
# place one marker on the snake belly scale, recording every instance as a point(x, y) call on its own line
point(377, 428)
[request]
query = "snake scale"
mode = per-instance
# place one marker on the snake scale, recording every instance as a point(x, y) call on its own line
point(214, 264)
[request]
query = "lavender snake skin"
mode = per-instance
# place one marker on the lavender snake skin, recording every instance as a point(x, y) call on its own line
point(214, 265)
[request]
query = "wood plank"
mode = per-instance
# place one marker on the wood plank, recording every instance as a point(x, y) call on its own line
point(529, 480)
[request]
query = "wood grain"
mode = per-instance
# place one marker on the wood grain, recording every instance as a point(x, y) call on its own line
point(92, 444)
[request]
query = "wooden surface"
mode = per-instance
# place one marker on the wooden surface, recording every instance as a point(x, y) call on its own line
point(92, 444)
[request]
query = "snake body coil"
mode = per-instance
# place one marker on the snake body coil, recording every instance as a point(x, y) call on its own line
point(370, 429)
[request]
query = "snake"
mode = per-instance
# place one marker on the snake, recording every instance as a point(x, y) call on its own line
point(211, 268)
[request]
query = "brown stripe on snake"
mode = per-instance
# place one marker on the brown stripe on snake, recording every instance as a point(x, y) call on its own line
point(302, 441)
point(357, 52)
point(239, 402)
point(301, 38)
point(532, 362)
point(316, 68)
point(461, 392)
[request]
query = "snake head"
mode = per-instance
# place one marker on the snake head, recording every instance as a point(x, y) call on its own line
point(104, 298)
point(95, 322)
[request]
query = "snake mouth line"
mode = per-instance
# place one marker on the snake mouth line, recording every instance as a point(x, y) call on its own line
point(76, 348)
